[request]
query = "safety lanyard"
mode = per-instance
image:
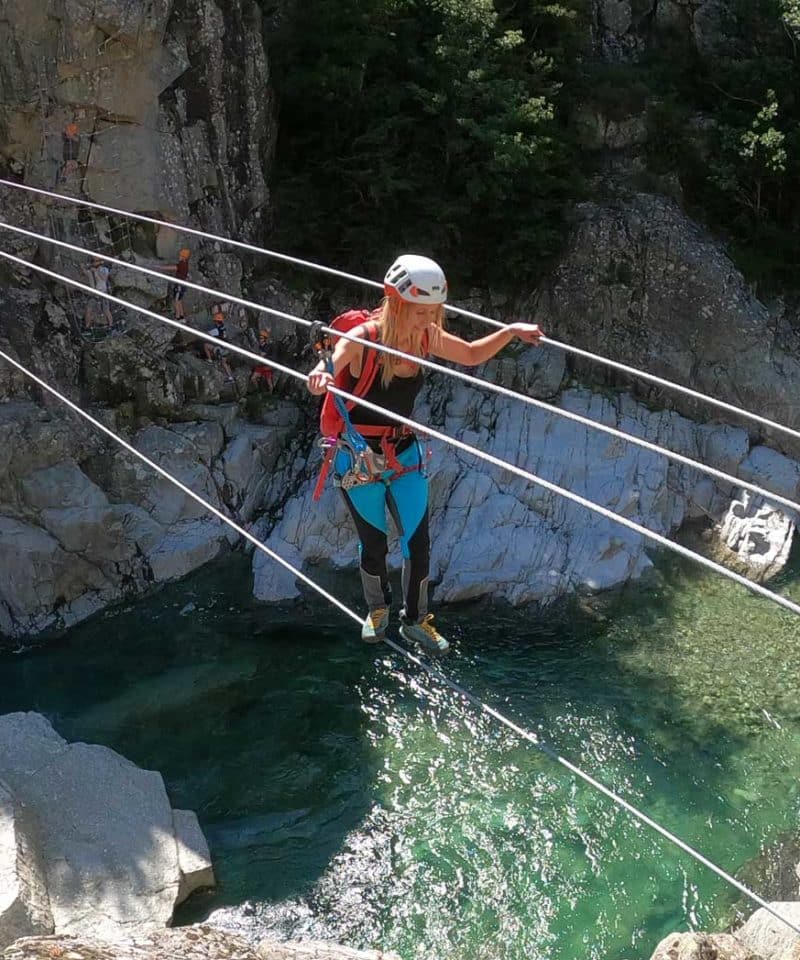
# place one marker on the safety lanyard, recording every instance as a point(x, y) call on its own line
point(324, 349)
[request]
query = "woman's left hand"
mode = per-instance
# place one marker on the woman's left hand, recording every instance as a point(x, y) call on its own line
point(529, 332)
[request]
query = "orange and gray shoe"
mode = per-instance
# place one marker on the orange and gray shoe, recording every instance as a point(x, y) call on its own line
point(425, 635)
point(373, 630)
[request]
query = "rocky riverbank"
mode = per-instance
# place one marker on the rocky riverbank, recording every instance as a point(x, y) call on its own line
point(94, 861)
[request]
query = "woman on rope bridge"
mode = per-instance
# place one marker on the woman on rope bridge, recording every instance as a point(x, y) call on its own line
point(378, 463)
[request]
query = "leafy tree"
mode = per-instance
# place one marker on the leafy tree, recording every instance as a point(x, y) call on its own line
point(429, 125)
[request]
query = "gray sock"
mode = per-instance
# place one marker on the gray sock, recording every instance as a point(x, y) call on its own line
point(422, 598)
point(373, 590)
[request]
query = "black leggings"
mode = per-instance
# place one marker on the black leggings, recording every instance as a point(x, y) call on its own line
point(416, 566)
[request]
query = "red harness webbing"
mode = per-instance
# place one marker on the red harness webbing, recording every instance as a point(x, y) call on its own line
point(389, 438)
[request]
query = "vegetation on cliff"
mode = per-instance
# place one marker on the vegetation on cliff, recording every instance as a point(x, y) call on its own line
point(451, 127)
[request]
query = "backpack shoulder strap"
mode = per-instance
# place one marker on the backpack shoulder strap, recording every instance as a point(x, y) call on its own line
point(370, 362)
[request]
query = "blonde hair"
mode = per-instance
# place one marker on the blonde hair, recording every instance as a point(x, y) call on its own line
point(390, 321)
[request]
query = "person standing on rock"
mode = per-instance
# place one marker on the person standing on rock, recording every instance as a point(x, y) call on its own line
point(391, 474)
point(262, 376)
point(177, 290)
point(218, 330)
point(98, 274)
point(71, 148)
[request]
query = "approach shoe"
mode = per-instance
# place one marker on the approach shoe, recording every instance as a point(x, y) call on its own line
point(425, 635)
point(374, 627)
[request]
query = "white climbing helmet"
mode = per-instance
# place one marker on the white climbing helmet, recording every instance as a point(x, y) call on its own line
point(416, 280)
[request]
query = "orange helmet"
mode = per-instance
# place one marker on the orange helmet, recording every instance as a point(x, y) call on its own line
point(263, 334)
point(184, 254)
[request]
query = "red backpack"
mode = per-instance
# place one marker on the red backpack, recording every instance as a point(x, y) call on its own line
point(330, 419)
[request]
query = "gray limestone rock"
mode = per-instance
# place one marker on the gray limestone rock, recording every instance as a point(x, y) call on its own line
point(770, 939)
point(62, 486)
point(496, 534)
point(703, 946)
point(760, 535)
point(105, 834)
point(199, 942)
point(24, 904)
point(643, 284)
point(187, 545)
point(194, 859)
point(37, 576)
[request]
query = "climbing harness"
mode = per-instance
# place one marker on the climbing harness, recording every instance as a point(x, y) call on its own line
point(369, 466)
point(337, 428)
point(339, 433)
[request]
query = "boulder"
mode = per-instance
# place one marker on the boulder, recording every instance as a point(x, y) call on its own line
point(24, 904)
point(64, 485)
point(37, 576)
point(703, 946)
point(105, 833)
point(770, 939)
point(194, 859)
point(187, 546)
point(759, 535)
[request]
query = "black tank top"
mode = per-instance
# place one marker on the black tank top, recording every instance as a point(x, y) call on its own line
point(399, 396)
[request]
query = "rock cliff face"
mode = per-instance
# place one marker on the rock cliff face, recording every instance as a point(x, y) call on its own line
point(172, 101)
point(173, 115)
point(496, 534)
point(641, 283)
point(620, 28)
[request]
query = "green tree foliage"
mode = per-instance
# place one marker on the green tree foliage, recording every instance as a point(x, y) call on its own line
point(427, 125)
point(729, 122)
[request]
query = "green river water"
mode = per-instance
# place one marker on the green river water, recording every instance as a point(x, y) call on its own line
point(346, 795)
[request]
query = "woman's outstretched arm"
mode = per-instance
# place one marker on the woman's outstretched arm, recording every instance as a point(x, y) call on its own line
point(453, 348)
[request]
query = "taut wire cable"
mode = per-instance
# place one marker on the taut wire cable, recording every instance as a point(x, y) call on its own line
point(428, 431)
point(460, 311)
point(430, 364)
point(437, 674)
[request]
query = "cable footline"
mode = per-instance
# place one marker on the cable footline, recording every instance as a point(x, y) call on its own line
point(575, 498)
point(432, 671)
point(460, 311)
point(430, 364)
point(533, 478)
